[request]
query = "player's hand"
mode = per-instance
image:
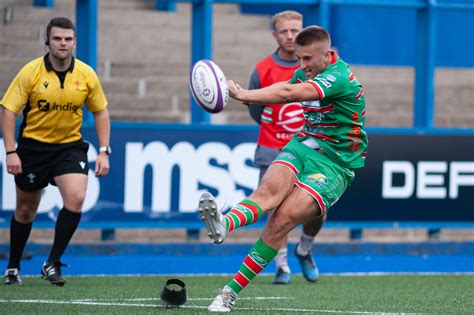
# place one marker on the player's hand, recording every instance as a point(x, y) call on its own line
point(102, 166)
point(14, 164)
point(235, 90)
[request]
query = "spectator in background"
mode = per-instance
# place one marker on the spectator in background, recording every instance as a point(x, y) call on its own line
point(278, 124)
point(52, 90)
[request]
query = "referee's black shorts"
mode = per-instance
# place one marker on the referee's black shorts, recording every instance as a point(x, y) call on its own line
point(41, 162)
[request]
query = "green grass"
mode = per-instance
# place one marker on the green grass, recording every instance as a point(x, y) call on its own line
point(422, 294)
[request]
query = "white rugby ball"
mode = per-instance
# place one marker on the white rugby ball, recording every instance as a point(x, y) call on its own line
point(208, 86)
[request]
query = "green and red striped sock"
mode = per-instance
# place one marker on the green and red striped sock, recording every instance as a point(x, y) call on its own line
point(258, 258)
point(244, 213)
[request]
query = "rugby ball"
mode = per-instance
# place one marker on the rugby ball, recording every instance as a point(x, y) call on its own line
point(208, 86)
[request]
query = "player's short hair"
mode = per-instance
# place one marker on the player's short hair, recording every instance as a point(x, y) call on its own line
point(313, 34)
point(285, 15)
point(60, 22)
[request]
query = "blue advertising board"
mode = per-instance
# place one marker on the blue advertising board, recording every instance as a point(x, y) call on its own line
point(412, 178)
point(157, 175)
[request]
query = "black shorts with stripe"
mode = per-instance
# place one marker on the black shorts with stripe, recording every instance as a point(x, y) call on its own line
point(41, 162)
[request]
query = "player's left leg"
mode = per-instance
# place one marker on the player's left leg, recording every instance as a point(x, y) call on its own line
point(297, 208)
point(276, 185)
point(219, 225)
point(72, 188)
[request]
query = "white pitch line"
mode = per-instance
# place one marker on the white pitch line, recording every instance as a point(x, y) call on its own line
point(77, 303)
point(296, 310)
point(263, 298)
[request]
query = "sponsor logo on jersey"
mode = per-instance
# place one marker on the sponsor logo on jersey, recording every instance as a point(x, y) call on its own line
point(290, 117)
point(311, 104)
point(314, 118)
point(324, 82)
point(45, 106)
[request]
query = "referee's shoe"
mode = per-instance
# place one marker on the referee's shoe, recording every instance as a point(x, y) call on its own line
point(51, 271)
point(12, 277)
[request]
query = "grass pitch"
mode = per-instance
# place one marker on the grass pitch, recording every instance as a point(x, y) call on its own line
point(393, 294)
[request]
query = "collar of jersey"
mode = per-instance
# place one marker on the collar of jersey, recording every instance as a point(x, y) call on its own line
point(285, 63)
point(49, 66)
point(334, 57)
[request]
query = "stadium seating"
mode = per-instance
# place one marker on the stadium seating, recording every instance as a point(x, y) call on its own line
point(144, 59)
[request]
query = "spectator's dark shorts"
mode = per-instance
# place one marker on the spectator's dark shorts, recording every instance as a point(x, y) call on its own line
point(41, 162)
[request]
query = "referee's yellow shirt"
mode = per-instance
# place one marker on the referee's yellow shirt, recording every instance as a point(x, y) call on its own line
point(53, 107)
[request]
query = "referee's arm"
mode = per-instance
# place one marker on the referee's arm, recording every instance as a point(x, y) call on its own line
point(8, 130)
point(102, 127)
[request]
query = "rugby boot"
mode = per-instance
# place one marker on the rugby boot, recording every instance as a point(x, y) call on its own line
point(282, 277)
point(213, 218)
point(51, 271)
point(308, 266)
point(12, 277)
point(224, 301)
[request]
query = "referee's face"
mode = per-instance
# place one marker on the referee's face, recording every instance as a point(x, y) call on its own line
point(62, 43)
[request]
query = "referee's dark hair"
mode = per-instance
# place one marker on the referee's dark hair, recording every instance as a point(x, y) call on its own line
point(60, 22)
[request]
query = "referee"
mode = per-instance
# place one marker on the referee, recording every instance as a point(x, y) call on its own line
point(51, 90)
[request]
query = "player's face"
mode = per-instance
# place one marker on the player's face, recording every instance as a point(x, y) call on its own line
point(285, 34)
point(62, 43)
point(313, 58)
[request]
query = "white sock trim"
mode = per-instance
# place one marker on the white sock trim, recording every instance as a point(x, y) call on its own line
point(305, 244)
point(281, 260)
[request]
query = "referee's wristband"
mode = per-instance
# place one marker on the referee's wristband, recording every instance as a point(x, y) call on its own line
point(11, 152)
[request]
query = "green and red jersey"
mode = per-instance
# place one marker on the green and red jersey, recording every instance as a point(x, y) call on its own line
point(336, 122)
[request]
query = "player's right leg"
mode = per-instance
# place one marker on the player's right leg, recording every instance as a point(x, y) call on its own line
point(283, 220)
point(283, 272)
point(20, 228)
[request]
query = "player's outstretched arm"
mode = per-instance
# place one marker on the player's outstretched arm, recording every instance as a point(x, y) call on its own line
point(281, 92)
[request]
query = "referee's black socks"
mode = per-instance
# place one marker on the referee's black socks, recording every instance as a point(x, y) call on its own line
point(66, 225)
point(19, 233)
